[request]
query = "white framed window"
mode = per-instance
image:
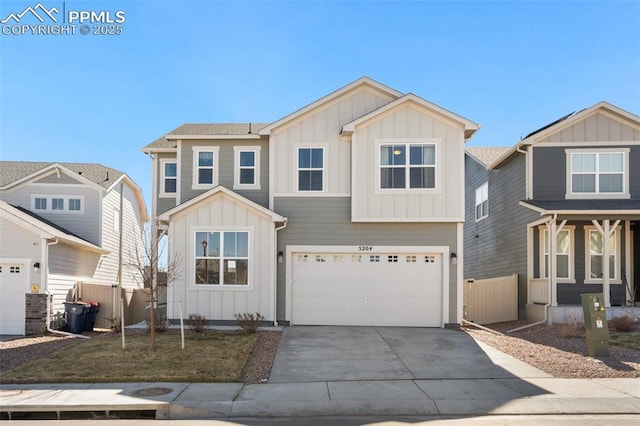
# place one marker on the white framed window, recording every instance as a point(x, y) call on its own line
point(168, 178)
point(58, 203)
point(222, 258)
point(246, 173)
point(482, 201)
point(594, 251)
point(205, 167)
point(565, 258)
point(311, 169)
point(597, 173)
point(409, 164)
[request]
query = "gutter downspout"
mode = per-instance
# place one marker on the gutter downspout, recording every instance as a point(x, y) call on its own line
point(45, 278)
point(275, 274)
point(546, 306)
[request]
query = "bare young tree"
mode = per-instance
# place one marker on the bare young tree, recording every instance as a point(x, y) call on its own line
point(147, 260)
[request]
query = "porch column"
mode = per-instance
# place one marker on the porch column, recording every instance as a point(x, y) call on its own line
point(529, 262)
point(605, 230)
point(627, 261)
point(551, 273)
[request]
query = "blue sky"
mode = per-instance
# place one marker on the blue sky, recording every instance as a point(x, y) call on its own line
point(510, 66)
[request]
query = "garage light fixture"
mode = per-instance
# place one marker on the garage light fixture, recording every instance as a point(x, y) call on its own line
point(280, 257)
point(454, 258)
point(36, 266)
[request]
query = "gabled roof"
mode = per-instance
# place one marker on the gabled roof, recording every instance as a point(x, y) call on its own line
point(44, 228)
point(565, 122)
point(14, 172)
point(469, 126)
point(361, 82)
point(204, 131)
point(486, 155)
point(226, 192)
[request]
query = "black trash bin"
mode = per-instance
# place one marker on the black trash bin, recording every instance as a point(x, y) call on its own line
point(75, 316)
point(90, 315)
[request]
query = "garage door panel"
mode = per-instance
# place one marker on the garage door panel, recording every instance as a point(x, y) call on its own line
point(383, 288)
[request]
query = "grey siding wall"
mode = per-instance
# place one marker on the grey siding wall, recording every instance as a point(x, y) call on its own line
point(226, 166)
point(497, 245)
point(162, 204)
point(327, 221)
point(550, 172)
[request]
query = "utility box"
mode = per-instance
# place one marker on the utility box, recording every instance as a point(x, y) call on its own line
point(595, 324)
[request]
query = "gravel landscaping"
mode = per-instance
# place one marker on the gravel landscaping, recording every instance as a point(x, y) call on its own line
point(545, 348)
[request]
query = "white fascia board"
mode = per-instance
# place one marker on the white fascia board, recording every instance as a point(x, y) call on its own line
point(235, 137)
point(153, 150)
point(49, 170)
point(579, 212)
point(265, 131)
point(408, 220)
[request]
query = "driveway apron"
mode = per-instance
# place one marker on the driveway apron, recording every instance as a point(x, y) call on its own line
point(330, 353)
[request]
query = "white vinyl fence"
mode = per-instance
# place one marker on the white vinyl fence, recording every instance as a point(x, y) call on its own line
point(491, 300)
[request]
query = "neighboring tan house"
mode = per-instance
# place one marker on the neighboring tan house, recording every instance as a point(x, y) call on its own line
point(543, 208)
point(349, 211)
point(59, 227)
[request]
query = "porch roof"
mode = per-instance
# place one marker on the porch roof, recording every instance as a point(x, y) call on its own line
point(578, 207)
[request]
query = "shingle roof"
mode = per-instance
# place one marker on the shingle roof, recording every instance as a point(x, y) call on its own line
point(487, 155)
point(11, 171)
point(209, 129)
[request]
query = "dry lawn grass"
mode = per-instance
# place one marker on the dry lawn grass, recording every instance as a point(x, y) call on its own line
point(207, 357)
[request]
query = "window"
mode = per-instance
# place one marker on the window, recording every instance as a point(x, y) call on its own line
point(222, 258)
point(75, 204)
point(601, 173)
point(40, 203)
point(169, 178)
point(564, 254)
point(594, 253)
point(407, 166)
point(57, 204)
point(310, 169)
point(205, 167)
point(482, 201)
point(247, 167)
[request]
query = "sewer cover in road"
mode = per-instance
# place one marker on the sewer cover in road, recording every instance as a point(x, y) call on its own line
point(152, 391)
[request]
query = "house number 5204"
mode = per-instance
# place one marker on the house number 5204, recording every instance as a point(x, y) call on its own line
point(365, 248)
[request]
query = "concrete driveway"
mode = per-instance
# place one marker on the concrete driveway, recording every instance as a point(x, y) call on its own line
point(328, 353)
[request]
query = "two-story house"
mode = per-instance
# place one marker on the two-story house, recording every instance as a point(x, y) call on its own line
point(561, 209)
point(348, 211)
point(62, 224)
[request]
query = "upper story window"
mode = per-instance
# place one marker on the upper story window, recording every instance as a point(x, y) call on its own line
point(168, 178)
point(57, 203)
point(247, 167)
point(222, 258)
point(482, 201)
point(310, 169)
point(407, 166)
point(597, 173)
point(205, 167)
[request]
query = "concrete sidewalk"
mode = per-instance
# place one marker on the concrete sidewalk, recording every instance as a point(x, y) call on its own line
point(524, 391)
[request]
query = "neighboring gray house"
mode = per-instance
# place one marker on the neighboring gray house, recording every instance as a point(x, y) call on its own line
point(348, 211)
point(543, 208)
point(60, 226)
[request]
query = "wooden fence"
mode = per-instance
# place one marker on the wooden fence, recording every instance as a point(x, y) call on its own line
point(491, 300)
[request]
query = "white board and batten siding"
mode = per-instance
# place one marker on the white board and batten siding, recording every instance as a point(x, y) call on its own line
point(320, 128)
point(491, 300)
point(408, 124)
point(368, 285)
point(221, 213)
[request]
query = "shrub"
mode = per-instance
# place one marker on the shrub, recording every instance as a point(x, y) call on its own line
point(572, 327)
point(197, 322)
point(162, 323)
point(249, 322)
point(622, 324)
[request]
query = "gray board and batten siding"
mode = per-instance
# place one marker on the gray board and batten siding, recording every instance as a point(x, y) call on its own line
point(226, 165)
point(550, 171)
point(327, 221)
point(496, 246)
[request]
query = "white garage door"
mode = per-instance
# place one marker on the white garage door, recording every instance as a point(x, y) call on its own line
point(381, 288)
point(12, 298)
